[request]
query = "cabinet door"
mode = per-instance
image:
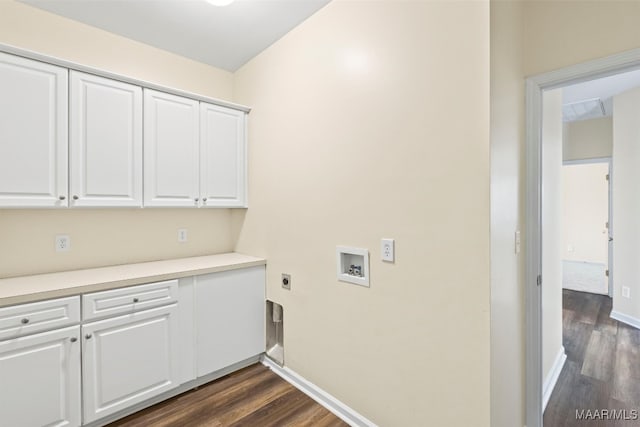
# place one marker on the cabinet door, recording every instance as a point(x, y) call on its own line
point(128, 359)
point(40, 379)
point(171, 138)
point(230, 318)
point(33, 133)
point(222, 156)
point(105, 142)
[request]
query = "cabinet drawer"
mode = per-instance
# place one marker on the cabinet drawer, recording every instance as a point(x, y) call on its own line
point(128, 300)
point(24, 319)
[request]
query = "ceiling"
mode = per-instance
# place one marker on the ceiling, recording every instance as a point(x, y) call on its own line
point(225, 37)
point(594, 98)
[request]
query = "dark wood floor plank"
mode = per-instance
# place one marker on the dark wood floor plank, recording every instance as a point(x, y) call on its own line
point(313, 416)
point(627, 373)
point(589, 308)
point(277, 412)
point(628, 414)
point(329, 420)
point(195, 405)
point(600, 356)
point(602, 371)
point(252, 401)
point(575, 339)
point(605, 323)
point(252, 396)
point(570, 301)
point(556, 413)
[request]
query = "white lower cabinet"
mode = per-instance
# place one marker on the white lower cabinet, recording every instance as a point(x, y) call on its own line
point(40, 379)
point(129, 359)
point(230, 318)
point(131, 344)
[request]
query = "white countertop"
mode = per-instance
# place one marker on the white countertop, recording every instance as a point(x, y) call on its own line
point(53, 285)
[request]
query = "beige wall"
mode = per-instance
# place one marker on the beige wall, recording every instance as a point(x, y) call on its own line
point(104, 237)
point(562, 33)
point(507, 207)
point(588, 139)
point(551, 230)
point(367, 124)
point(626, 202)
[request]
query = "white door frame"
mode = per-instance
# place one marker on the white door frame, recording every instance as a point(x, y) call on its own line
point(608, 161)
point(610, 65)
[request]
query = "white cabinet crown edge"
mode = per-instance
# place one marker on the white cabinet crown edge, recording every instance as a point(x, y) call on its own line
point(25, 53)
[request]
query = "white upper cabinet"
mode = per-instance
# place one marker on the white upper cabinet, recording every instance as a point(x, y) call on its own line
point(33, 133)
point(76, 139)
point(222, 156)
point(105, 142)
point(171, 152)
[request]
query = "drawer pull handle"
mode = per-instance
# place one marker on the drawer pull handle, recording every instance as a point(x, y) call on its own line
point(62, 197)
point(88, 336)
point(25, 321)
point(75, 197)
point(73, 339)
point(136, 300)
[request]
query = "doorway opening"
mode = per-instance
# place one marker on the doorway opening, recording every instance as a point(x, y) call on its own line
point(587, 238)
point(582, 260)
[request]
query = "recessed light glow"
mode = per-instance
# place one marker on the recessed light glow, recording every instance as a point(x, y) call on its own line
point(356, 61)
point(220, 2)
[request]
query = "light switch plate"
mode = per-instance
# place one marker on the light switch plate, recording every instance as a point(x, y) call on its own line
point(387, 250)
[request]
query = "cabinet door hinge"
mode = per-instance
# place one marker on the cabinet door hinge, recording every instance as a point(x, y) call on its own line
point(607, 177)
point(539, 280)
point(606, 273)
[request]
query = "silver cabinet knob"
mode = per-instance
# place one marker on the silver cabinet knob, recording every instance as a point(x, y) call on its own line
point(62, 197)
point(25, 321)
point(88, 336)
point(75, 197)
point(136, 300)
point(204, 200)
point(73, 339)
point(196, 199)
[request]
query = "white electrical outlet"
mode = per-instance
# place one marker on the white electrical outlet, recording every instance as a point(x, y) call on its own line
point(626, 292)
point(387, 250)
point(182, 235)
point(286, 281)
point(63, 243)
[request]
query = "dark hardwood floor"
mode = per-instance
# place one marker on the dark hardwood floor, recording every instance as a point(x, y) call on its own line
point(602, 370)
point(254, 396)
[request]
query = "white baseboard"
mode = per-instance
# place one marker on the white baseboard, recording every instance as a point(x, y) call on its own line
point(552, 377)
point(338, 408)
point(629, 320)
